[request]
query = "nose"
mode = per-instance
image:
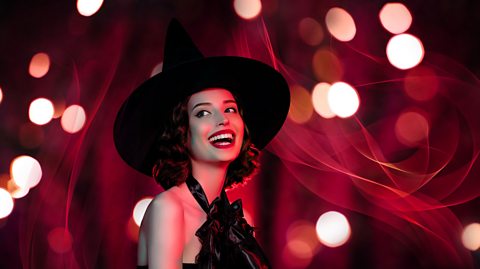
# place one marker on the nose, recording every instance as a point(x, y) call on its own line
point(222, 120)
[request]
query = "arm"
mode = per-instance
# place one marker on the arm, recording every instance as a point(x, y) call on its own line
point(164, 232)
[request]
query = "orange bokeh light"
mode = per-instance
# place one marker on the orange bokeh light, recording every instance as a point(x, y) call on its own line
point(39, 65)
point(395, 18)
point(326, 66)
point(471, 236)
point(340, 24)
point(301, 108)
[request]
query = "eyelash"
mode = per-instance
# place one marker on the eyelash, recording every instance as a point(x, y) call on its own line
point(203, 113)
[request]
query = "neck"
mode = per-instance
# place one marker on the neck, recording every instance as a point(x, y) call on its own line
point(211, 177)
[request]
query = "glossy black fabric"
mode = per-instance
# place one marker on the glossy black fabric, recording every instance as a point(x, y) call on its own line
point(227, 239)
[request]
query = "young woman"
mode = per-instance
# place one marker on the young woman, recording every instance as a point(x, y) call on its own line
point(196, 128)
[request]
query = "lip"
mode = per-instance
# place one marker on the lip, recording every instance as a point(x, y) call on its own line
point(225, 131)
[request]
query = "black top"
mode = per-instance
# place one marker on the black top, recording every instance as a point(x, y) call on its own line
point(226, 237)
point(185, 266)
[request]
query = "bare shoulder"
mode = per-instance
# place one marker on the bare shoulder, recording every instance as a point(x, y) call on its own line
point(165, 207)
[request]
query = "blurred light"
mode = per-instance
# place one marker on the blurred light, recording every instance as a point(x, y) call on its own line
point(310, 31)
point(303, 231)
point(15, 191)
point(291, 260)
point(6, 203)
point(301, 108)
point(157, 69)
point(88, 7)
point(471, 236)
point(60, 240)
point(395, 18)
point(139, 210)
point(340, 24)
point(411, 128)
point(73, 119)
point(59, 108)
point(1, 95)
point(343, 99)
point(326, 66)
point(421, 83)
point(405, 51)
point(40, 111)
point(320, 102)
point(31, 135)
point(333, 229)
point(39, 65)
point(247, 9)
point(25, 171)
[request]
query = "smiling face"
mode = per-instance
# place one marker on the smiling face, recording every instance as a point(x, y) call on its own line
point(215, 126)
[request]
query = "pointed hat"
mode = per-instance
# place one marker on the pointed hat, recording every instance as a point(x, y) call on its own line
point(261, 91)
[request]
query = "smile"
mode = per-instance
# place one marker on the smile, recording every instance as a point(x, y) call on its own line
point(222, 139)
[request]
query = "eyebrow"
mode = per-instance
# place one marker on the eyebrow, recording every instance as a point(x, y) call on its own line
point(209, 104)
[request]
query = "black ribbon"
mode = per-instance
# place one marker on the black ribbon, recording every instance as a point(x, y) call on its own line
point(226, 237)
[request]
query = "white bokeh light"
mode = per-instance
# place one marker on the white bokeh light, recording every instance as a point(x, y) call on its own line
point(471, 236)
point(73, 119)
point(6, 203)
point(395, 18)
point(88, 7)
point(343, 99)
point(25, 171)
point(1, 95)
point(405, 51)
point(320, 102)
point(139, 210)
point(333, 229)
point(41, 111)
point(247, 9)
point(340, 24)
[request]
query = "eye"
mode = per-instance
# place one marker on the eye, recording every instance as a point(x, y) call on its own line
point(202, 113)
point(231, 110)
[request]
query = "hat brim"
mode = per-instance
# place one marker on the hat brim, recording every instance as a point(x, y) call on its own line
point(261, 91)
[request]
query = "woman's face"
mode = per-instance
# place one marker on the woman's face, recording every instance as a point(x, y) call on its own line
point(215, 126)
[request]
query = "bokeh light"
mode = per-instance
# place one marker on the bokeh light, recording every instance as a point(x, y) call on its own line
point(333, 229)
point(59, 108)
point(340, 24)
point(301, 108)
point(6, 203)
point(60, 240)
point(297, 254)
point(39, 65)
point(320, 102)
point(411, 128)
point(405, 51)
point(41, 111)
point(310, 31)
point(139, 210)
point(395, 18)
point(1, 95)
point(326, 66)
point(421, 83)
point(25, 171)
point(343, 99)
point(471, 236)
point(15, 191)
point(247, 9)
point(88, 7)
point(73, 119)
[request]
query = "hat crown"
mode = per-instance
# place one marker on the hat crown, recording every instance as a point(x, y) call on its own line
point(179, 46)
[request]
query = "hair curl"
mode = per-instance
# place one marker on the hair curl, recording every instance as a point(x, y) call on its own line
point(173, 165)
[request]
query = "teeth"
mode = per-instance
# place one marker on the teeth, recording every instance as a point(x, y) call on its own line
point(222, 136)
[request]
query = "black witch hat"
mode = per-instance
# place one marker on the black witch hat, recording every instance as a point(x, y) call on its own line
point(261, 91)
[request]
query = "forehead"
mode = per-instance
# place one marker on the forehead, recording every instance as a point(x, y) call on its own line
point(210, 95)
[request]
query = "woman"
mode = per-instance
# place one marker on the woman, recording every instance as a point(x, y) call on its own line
point(185, 126)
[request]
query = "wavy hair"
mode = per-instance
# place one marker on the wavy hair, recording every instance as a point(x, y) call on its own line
point(173, 165)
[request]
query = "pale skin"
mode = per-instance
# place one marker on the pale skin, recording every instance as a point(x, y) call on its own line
point(167, 234)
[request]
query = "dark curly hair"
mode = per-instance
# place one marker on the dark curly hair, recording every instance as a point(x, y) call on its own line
point(173, 165)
